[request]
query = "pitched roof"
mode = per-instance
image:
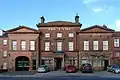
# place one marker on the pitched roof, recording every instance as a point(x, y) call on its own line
point(17, 28)
point(97, 26)
point(58, 23)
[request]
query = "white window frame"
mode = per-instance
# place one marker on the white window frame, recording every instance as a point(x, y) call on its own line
point(86, 45)
point(14, 45)
point(71, 44)
point(71, 34)
point(23, 45)
point(116, 42)
point(5, 65)
point(59, 46)
point(47, 46)
point(32, 45)
point(95, 45)
point(5, 54)
point(47, 34)
point(105, 45)
point(59, 34)
point(5, 42)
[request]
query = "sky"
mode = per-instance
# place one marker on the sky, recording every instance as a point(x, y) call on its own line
point(28, 12)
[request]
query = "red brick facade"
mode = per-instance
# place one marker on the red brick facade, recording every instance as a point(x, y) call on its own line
point(76, 45)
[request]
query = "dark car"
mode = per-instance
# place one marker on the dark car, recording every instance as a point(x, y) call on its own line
point(86, 67)
point(113, 68)
point(71, 69)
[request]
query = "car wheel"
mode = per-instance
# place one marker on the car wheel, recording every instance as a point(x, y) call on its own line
point(113, 71)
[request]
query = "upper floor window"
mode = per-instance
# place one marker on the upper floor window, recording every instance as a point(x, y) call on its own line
point(47, 34)
point(95, 45)
point(5, 54)
point(14, 45)
point(5, 42)
point(116, 42)
point(70, 46)
point(32, 45)
point(59, 46)
point(71, 34)
point(23, 45)
point(47, 46)
point(59, 34)
point(105, 45)
point(86, 45)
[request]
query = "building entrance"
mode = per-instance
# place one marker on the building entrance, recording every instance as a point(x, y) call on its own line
point(22, 63)
point(58, 62)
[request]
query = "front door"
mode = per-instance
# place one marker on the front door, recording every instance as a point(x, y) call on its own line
point(106, 63)
point(58, 63)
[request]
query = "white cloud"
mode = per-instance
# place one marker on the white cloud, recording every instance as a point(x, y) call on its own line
point(89, 1)
point(118, 25)
point(97, 9)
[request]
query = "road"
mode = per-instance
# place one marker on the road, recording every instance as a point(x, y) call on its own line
point(59, 75)
point(61, 78)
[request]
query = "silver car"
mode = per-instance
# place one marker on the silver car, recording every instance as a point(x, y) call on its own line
point(113, 68)
point(41, 70)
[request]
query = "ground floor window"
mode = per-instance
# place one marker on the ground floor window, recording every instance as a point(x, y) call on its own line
point(71, 60)
point(97, 62)
point(5, 65)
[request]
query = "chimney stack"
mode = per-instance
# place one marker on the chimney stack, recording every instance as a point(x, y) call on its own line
point(76, 18)
point(42, 19)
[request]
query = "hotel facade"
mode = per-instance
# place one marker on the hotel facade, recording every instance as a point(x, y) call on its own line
point(58, 44)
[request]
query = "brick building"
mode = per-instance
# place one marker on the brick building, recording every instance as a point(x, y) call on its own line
point(58, 44)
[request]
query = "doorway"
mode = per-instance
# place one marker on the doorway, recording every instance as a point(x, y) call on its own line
point(58, 62)
point(22, 63)
point(34, 64)
point(106, 63)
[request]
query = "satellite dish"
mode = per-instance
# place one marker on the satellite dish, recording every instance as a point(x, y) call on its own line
point(1, 32)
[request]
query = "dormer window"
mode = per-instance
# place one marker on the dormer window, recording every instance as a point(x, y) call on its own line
point(59, 34)
point(47, 34)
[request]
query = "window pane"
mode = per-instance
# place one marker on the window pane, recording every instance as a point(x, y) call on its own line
point(70, 46)
point(116, 42)
point(5, 65)
point(105, 45)
point(32, 45)
point(23, 45)
point(71, 34)
point(59, 34)
point(5, 53)
point(59, 46)
point(86, 45)
point(47, 34)
point(47, 46)
point(4, 42)
point(14, 45)
point(95, 45)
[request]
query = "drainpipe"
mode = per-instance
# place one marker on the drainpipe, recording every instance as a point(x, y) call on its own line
point(39, 56)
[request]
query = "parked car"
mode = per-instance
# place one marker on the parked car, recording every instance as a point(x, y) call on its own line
point(43, 68)
point(46, 67)
point(113, 68)
point(86, 67)
point(71, 69)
